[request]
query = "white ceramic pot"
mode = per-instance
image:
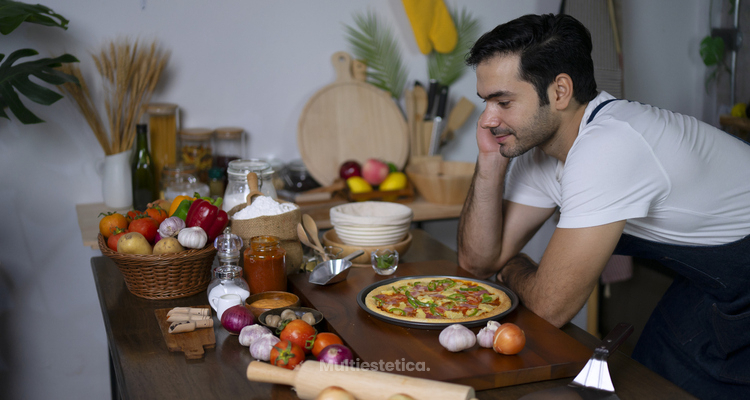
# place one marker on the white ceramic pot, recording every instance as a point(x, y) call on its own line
point(117, 183)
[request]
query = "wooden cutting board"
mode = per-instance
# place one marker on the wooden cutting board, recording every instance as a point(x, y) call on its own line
point(191, 343)
point(549, 352)
point(350, 120)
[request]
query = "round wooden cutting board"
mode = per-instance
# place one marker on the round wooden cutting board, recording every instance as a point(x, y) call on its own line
point(350, 120)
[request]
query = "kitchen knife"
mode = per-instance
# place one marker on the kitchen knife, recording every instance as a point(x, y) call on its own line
point(432, 94)
point(438, 123)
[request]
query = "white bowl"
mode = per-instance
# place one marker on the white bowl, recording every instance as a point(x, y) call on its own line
point(371, 240)
point(366, 213)
point(358, 231)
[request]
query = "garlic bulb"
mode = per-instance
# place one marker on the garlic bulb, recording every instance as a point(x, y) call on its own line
point(486, 334)
point(457, 337)
point(171, 227)
point(193, 238)
point(261, 347)
point(249, 333)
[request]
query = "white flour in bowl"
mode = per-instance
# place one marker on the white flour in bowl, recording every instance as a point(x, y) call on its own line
point(263, 205)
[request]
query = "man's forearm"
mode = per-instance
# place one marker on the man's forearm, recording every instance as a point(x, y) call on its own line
point(480, 226)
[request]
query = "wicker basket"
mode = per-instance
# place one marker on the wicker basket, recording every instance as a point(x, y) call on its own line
point(167, 276)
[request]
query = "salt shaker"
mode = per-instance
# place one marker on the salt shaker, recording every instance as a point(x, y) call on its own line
point(227, 277)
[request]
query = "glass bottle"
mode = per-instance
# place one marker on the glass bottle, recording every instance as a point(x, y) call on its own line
point(296, 177)
point(237, 187)
point(163, 126)
point(228, 146)
point(195, 148)
point(142, 170)
point(216, 184)
point(265, 265)
point(176, 173)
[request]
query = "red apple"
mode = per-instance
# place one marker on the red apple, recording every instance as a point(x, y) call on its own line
point(350, 168)
point(375, 171)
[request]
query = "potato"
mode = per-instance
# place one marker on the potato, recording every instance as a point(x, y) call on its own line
point(133, 243)
point(168, 245)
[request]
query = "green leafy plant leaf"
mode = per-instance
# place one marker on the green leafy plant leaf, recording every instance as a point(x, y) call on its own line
point(448, 68)
point(16, 78)
point(712, 50)
point(14, 13)
point(375, 44)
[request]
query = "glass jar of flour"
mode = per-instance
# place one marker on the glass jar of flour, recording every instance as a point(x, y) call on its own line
point(237, 187)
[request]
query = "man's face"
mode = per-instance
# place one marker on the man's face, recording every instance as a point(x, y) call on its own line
point(512, 112)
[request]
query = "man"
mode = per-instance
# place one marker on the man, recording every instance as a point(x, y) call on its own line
point(628, 179)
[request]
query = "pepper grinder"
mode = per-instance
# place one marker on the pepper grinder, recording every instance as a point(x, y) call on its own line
point(228, 246)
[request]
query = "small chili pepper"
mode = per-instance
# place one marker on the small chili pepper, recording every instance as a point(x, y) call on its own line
point(473, 312)
point(397, 311)
point(471, 289)
point(486, 298)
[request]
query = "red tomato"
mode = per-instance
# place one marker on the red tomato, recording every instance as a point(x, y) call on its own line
point(322, 340)
point(111, 221)
point(300, 333)
point(132, 215)
point(509, 339)
point(286, 354)
point(157, 213)
point(146, 226)
point(112, 241)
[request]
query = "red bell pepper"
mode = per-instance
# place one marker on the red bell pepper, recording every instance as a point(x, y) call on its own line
point(205, 213)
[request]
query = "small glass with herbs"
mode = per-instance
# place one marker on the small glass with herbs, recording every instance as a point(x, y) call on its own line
point(384, 261)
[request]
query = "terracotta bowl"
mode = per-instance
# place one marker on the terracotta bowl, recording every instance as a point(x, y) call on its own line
point(330, 238)
point(262, 302)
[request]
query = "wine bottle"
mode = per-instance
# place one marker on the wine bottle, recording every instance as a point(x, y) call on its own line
point(144, 179)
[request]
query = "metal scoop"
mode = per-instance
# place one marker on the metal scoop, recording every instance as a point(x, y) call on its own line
point(333, 271)
point(594, 381)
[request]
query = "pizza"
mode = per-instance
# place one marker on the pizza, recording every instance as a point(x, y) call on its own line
point(437, 300)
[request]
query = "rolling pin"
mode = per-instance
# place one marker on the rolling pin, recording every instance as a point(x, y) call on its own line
point(311, 377)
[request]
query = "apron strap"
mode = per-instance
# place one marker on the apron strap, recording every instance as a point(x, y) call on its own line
point(599, 107)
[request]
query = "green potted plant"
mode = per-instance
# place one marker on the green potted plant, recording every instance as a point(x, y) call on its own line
point(14, 77)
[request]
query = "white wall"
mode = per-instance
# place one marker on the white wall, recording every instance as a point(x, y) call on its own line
point(248, 63)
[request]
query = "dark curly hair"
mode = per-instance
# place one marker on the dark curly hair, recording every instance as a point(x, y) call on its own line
point(547, 45)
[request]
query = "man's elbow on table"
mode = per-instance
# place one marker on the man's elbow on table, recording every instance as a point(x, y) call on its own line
point(477, 269)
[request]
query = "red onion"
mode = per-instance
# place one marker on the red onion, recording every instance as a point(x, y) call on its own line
point(336, 354)
point(235, 318)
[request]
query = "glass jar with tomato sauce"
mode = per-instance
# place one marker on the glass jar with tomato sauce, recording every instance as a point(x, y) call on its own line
point(265, 265)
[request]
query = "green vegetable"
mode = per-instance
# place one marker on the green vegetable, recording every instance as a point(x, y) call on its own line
point(471, 289)
point(457, 297)
point(473, 312)
point(486, 298)
point(182, 209)
point(385, 261)
point(397, 311)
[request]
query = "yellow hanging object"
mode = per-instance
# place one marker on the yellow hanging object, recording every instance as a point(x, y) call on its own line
point(443, 32)
point(432, 25)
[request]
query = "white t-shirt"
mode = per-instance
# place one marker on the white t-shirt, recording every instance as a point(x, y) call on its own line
point(673, 178)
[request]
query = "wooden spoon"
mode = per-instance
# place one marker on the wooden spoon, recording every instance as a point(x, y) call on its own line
point(252, 183)
point(312, 229)
point(302, 235)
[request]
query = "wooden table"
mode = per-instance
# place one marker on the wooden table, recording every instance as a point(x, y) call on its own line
point(142, 367)
point(88, 215)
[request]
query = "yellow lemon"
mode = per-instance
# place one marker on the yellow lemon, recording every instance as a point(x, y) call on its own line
point(739, 110)
point(394, 181)
point(357, 184)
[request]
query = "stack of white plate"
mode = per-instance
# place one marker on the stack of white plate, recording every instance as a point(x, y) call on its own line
point(371, 223)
